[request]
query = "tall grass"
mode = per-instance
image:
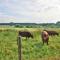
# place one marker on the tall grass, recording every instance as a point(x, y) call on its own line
point(8, 45)
point(32, 49)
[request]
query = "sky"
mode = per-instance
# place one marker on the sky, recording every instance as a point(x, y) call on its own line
point(30, 11)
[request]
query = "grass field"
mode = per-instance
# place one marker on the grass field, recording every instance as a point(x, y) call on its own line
point(32, 49)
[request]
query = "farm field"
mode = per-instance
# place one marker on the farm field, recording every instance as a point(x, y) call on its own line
point(32, 49)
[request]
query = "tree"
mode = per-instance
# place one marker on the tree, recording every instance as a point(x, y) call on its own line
point(58, 22)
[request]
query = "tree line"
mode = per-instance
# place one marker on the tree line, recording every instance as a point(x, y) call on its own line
point(31, 25)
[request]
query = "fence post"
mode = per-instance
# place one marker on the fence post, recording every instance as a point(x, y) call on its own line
point(19, 47)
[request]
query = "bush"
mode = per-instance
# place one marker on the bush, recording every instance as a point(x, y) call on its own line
point(19, 26)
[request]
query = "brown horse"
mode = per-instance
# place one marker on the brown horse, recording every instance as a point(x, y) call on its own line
point(45, 37)
point(52, 33)
point(25, 34)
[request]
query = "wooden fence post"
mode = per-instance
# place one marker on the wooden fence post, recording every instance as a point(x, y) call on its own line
point(19, 47)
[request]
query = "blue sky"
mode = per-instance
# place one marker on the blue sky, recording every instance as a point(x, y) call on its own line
point(34, 11)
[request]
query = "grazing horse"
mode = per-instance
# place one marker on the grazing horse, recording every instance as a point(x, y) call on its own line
point(25, 34)
point(52, 33)
point(45, 37)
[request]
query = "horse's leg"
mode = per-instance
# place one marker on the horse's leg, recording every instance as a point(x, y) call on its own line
point(43, 42)
point(47, 41)
point(26, 38)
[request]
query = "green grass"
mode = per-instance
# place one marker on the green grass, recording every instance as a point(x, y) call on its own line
point(8, 45)
point(32, 49)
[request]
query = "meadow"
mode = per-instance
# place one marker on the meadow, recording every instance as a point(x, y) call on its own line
point(32, 49)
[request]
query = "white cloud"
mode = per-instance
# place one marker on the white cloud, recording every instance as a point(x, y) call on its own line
point(31, 10)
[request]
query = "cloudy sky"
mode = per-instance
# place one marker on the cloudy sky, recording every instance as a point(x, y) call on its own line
point(34, 11)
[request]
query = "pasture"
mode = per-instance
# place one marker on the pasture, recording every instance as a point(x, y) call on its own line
point(32, 49)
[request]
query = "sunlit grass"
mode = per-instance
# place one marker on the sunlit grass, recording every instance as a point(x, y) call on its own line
point(32, 49)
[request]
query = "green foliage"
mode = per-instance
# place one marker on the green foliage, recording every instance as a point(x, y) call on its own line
point(18, 26)
point(48, 25)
